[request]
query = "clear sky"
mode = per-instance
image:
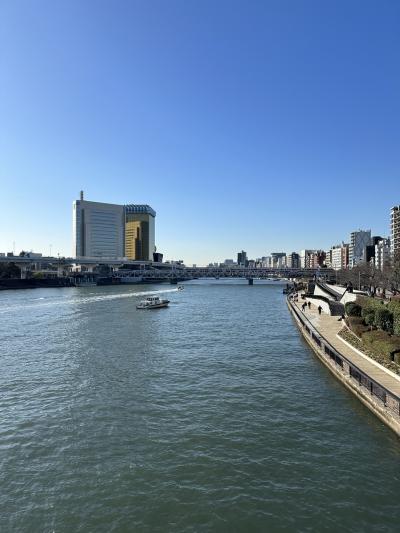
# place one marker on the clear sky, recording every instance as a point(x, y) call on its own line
point(262, 125)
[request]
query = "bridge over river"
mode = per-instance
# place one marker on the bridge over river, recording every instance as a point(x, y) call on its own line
point(187, 273)
point(148, 271)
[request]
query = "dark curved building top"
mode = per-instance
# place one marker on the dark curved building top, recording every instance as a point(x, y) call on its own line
point(140, 208)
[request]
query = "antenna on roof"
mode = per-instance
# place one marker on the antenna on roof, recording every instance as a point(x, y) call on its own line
point(81, 195)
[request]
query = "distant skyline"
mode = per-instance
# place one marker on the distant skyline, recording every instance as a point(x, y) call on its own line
point(263, 126)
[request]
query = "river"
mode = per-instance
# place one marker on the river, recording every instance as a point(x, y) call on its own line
point(210, 416)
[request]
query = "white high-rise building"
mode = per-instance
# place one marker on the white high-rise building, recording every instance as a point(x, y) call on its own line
point(98, 229)
point(395, 230)
point(339, 256)
point(306, 258)
point(382, 254)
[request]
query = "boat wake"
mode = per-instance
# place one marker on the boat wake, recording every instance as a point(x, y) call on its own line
point(84, 300)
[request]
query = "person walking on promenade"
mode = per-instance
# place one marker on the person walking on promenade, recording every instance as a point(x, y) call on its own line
point(309, 305)
point(319, 309)
point(303, 307)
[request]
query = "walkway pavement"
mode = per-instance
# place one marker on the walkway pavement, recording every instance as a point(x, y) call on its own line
point(328, 327)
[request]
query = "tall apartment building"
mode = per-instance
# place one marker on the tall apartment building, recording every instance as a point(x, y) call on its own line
point(382, 254)
point(306, 258)
point(242, 258)
point(328, 258)
point(317, 259)
point(395, 230)
point(278, 259)
point(359, 240)
point(340, 256)
point(293, 260)
point(104, 230)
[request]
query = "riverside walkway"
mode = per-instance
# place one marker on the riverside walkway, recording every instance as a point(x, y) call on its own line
point(329, 327)
point(377, 387)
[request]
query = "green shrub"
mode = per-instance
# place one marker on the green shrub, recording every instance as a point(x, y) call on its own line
point(394, 307)
point(372, 336)
point(357, 326)
point(368, 314)
point(381, 343)
point(396, 323)
point(350, 320)
point(384, 319)
point(367, 302)
point(370, 319)
point(352, 309)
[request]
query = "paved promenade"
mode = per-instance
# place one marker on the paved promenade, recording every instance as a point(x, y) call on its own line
point(328, 327)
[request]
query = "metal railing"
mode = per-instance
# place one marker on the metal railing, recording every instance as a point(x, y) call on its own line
point(358, 375)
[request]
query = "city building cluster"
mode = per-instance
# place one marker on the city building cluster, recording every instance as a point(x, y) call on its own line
point(102, 230)
point(362, 248)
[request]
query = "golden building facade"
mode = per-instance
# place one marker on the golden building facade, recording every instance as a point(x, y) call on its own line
point(139, 232)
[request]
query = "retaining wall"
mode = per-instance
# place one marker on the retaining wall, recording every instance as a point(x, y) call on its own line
point(383, 403)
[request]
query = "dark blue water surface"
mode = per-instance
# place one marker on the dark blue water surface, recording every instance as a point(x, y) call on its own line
point(211, 415)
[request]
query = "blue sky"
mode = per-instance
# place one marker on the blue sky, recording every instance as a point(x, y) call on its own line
point(262, 125)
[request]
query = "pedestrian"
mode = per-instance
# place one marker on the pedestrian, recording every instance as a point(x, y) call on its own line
point(309, 305)
point(303, 307)
point(319, 309)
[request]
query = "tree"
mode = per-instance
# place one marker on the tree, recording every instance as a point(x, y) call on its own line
point(384, 319)
point(9, 270)
point(352, 309)
point(394, 273)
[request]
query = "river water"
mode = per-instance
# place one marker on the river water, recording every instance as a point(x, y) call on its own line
point(212, 415)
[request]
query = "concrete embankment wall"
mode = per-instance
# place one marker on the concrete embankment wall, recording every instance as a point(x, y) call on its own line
point(373, 395)
point(34, 283)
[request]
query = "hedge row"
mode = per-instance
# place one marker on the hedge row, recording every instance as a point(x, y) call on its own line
point(375, 313)
point(394, 308)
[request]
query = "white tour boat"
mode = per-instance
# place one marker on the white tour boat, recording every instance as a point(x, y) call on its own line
point(153, 302)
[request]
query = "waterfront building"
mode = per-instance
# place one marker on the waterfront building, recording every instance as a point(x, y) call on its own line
point(382, 254)
point(336, 257)
point(278, 259)
point(317, 259)
point(395, 230)
point(358, 242)
point(328, 258)
point(98, 229)
point(157, 257)
point(305, 258)
point(139, 232)
point(293, 260)
point(340, 256)
point(113, 231)
point(267, 261)
point(242, 258)
point(369, 252)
